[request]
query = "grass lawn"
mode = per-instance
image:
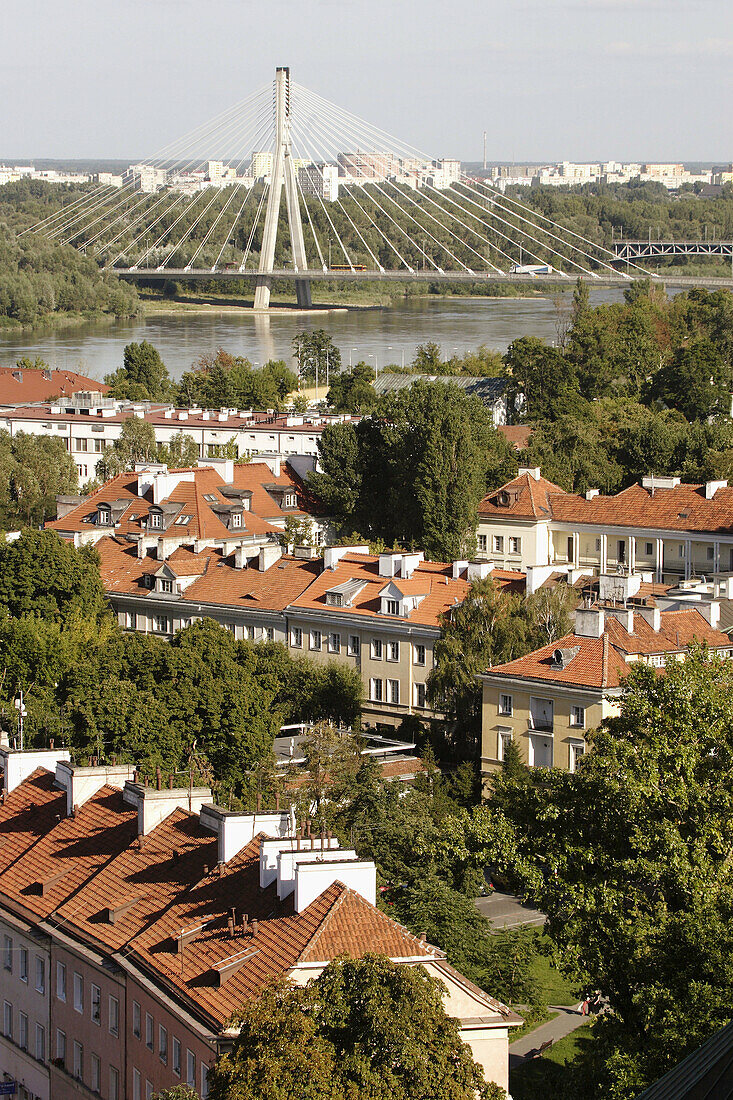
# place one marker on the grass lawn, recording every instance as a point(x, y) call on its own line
point(545, 1077)
point(552, 987)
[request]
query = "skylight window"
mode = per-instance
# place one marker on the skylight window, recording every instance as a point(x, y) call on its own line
point(211, 498)
point(183, 519)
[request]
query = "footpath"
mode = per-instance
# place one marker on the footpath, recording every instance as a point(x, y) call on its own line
point(566, 1021)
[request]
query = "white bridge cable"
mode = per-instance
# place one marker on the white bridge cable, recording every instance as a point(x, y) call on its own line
point(333, 227)
point(494, 192)
point(176, 150)
point(423, 229)
point(238, 215)
point(377, 134)
point(246, 141)
point(355, 227)
point(324, 266)
point(243, 265)
point(443, 194)
point(166, 195)
point(182, 197)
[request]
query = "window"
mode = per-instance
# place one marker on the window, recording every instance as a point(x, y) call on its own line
point(156, 519)
point(40, 1043)
point(149, 580)
point(334, 599)
point(236, 519)
point(130, 620)
point(78, 993)
point(290, 500)
point(60, 981)
point(161, 624)
point(682, 549)
point(375, 690)
point(136, 1018)
point(481, 544)
point(506, 706)
point(8, 953)
point(204, 1081)
point(648, 549)
point(710, 553)
point(136, 1085)
point(393, 651)
point(148, 1031)
point(354, 646)
point(114, 1016)
point(176, 1056)
point(418, 654)
point(249, 633)
point(376, 649)
point(61, 1046)
point(94, 1073)
point(80, 444)
point(598, 545)
point(183, 520)
point(23, 1031)
point(571, 548)
point(148, 1089)
point(114, 1084)
point(163, 1045)
point(419, 695)
point(315, 639)
point(98, 446)
point(96, 1004)
point(577, 717)
point(7, 1020)
point(104, 517)
point(393, 691)
point(577, 751)
point(541, 714)
point(504, 739)
point(166, 585)
point(40, 974)
point(191, 1069)
point(515, 545)
point(334, 643)
point(540, 751)
point(269, 633)
point(23, 964)
point(392, 607)
point(498, 544)
point(296, 638)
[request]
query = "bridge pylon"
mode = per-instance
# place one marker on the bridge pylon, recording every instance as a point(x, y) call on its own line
point(283, 173)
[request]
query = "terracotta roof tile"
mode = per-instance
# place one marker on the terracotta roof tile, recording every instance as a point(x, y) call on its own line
point(21, 386)
point(524, 497)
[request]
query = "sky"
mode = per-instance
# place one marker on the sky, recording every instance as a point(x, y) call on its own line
point(548, 80)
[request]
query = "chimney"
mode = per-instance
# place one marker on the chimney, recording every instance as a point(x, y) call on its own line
point(531, 471)
point(652, 615)
point(235, 830)
point(711, 488)
point(710, 611)
point(18, 764)
point(460, 569)
point(590, 493)
point(81, 783)
point(590, 622)
point(311, 879)
point(289, 861)
point(154, 806)
point(268, 556)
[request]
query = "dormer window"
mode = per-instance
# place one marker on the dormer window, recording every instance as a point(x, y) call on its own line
point(334, 599)
point(236, 519)
point(504, 498)
point(104, 517)
point(290, 500)
point(392, 607)
point(166, 585)
point(149, 580)
point(155, 519)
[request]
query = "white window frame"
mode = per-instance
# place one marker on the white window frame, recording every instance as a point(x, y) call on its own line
point(61, 981)
point(315, 641)
point(136, 1085)
point(376, 649)
point(498, 544)
point(391, 607)
point(95, 1000)
point(77, 1065)
point(23, 964)
point(149, 1031)
point(420, 690)
point(334, 642)
point(296, 638)
point(78, 982)
point(515, 544)
point(577, 716)
point(481, 543)
point(176, 1055)
point(40, 1043)
point(503, 737)
point(393, 692)
point(40, 974)
point(23, 1030)
point(393, 651)
point(7, 1019)
point(95, 1073)
point(163, 1044)
point(113, 1015)
point(190, 1069)
point(419, 654)
point(137, 1020)
point(376, 690)
point(114, 1083)
point(8, 954)
point(576, 750)
point(506, 709)
point(61, 1045)
point(354, 645)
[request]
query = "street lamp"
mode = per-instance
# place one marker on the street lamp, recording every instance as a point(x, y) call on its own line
point(350, 363)
point(22, 712)
point(376, 365)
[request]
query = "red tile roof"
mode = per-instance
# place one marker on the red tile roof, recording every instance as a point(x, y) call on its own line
point(432, 579)
point(602, 662)
point(517, 434)
point(524, 497)
point(21, 385)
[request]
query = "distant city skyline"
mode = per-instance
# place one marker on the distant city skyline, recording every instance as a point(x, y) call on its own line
point(547, 79)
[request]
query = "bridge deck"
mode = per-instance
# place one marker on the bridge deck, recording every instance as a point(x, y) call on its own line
point(319, 275)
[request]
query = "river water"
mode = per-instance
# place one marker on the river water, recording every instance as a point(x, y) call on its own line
point(380, 335)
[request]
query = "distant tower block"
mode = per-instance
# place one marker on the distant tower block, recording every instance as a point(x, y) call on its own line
point(283, 172)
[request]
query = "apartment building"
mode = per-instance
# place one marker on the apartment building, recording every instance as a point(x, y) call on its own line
point(160, 914)
point(380, 615)
point(218, 503)
point(547, 701)
point(89, 422)
point(662, 527)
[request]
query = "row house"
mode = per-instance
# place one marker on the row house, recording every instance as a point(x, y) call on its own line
point(218, 503)
point(157, 914)
point(379, 614)
point(547, 701)
point(662, 527)
point(89, 422)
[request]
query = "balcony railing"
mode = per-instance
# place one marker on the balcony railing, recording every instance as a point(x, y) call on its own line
point(540, 725)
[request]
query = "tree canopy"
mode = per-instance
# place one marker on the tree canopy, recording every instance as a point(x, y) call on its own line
point(365, 1027)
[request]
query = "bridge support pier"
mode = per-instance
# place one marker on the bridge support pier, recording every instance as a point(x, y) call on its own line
point(283, 175)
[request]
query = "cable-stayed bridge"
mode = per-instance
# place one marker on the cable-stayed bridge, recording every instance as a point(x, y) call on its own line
point(358, 205)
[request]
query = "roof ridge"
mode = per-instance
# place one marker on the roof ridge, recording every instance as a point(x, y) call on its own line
point(335, 904)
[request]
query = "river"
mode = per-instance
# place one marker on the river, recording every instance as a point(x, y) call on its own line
point(378, 336)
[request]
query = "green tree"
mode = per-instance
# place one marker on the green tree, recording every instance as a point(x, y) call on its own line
point(33, 471)
point(143, 375)
point(697, 381)
point(542, 381)
point(428, 358)
point(313, 350)
point(353, 391)
point(41, 574)
point(182, 450)
point(136, 443)
point(365, 1027)
point(635, 870)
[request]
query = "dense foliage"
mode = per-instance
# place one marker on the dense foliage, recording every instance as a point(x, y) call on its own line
point(140, 697)
point(630, 857)
point(414, 475)
point(364, 1028)
point(33, 471)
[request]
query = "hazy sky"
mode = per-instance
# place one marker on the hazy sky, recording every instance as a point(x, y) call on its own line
point(548, 79)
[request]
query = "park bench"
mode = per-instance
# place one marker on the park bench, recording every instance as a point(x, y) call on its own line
point(541, 1049)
